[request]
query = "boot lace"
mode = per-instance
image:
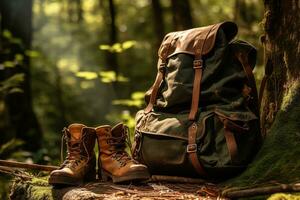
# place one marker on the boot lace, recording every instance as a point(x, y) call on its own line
point(120, 144)
point(74, 155)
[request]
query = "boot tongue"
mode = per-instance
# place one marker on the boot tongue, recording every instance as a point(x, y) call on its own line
point(75, 131)
point(118, 130)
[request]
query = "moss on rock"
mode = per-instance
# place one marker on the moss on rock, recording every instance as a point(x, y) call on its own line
point(278, 160)
point(36, 189)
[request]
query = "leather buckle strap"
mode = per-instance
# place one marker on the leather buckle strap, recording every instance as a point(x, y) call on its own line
point(196, 93)
point(198, 63)
point(192, 131)
point(192, 149)
point(162, 67)
point(158, 80)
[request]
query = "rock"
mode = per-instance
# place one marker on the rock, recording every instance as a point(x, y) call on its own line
point(39, 189)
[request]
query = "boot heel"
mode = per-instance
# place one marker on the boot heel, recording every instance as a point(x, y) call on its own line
point(105, 176)
point(90, 175)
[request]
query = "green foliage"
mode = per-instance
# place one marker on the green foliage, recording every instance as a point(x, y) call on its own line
point(35, 189)
point(137, 100)
point(9, 36)
point(32, 54)
point(12, 84)
point(104, 76)
point(9, 148)
point(118, 47)
point(87, 75)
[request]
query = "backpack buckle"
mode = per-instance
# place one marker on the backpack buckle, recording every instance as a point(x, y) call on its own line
point(198, 64)
point(162, 68)
point(191, 148)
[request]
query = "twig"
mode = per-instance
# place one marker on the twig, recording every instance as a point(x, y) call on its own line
point(27, 166)
point(261, 191)
point(15, 173)
point(176, 179)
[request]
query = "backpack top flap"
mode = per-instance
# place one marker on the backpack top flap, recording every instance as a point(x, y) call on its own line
point(188, 41)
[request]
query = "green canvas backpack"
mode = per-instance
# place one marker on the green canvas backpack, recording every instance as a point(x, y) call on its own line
point(202, 118)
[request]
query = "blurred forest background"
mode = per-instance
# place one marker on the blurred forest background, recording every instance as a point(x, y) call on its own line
point(90, 61)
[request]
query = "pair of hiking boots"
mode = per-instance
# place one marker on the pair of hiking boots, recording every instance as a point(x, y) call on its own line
point(113, 161)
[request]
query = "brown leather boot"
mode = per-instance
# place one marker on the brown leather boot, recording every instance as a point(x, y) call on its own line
point(113, 160)
point(80, 162)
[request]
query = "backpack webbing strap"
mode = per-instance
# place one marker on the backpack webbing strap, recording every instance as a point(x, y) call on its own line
point(231, 144)
point(243, 59)
point(192, 131)
point(159, 78)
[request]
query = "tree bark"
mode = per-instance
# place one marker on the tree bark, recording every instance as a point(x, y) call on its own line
point(110, 14)
point(23, 124)
point(158, 22)
point(182, 17)
point(282, 57)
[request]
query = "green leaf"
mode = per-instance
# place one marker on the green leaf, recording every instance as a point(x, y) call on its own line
point(128, 44)
point(104, 47)
point(9, 64)
point(11, 82)
point(128, 102)
point(15, 90)
point(106, 80)
point(110, 76)
point(87, 75)
point(138, 95)
point(107, 76)
point(86, 84)
point(32, 54)
point(117, 47)
point(122, 78)
point(129, 119)
point(19, 57)
point(7, 34)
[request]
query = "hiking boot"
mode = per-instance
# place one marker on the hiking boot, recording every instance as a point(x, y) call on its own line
point(80, 162)
point(113, 161)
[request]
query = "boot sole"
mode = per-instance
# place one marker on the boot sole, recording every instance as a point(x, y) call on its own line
point(71, 181)
point(137, 176)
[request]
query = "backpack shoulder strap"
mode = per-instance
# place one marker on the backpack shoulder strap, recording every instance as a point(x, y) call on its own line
point(160, 73)
point(244, 60)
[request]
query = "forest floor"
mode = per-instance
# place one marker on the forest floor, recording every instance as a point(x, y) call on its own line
point(38, 188)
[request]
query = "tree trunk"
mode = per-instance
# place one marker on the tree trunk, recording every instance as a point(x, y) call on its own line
point(110, 13)
point(182, 17)
point(282, 57)
point(112, 57)
point(158, 21)
point(79, 11)
point(278, 160)
point(16, 17)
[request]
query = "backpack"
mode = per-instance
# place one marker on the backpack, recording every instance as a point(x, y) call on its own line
point(202, 114)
